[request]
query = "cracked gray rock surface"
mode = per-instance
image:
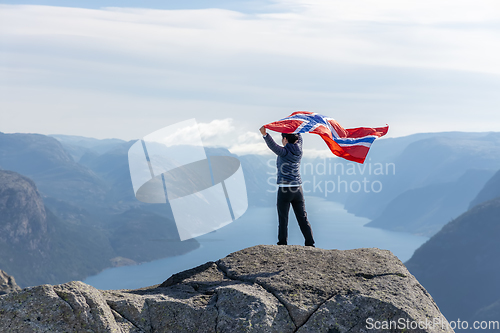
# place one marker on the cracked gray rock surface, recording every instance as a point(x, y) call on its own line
point(265, 288)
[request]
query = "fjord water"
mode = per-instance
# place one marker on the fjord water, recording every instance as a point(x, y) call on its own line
point(333, 228)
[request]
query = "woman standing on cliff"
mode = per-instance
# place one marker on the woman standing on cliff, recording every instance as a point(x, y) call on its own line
point(289, 185)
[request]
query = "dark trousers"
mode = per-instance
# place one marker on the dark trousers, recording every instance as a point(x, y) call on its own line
point(295, 196)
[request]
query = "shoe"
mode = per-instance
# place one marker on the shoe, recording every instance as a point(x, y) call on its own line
point(312, 245)
point(281, 243)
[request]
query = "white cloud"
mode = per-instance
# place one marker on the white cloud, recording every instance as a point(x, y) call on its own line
point(412, 64)
point(407, 12)
point(387, 32)
point(224, 133)
point(215, 128)
point(249, 143)
point(250, 148)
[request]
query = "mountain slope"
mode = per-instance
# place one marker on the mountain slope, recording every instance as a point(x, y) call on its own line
point(23, 219)
point(490, 190)
point(459, 265)
point(36, 246)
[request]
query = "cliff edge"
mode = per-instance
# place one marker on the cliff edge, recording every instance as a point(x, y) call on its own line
point(265, 288)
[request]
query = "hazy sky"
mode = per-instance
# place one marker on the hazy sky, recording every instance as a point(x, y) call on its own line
point(92, 68)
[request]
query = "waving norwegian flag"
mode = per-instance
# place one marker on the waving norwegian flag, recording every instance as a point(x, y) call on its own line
point(352, 144)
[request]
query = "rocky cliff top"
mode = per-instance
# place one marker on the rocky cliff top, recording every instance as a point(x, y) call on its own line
point(266, 288)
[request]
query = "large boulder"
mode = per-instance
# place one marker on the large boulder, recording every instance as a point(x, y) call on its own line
point(266, 288)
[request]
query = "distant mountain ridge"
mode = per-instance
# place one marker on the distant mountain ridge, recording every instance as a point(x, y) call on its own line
point(78, 237)
point(92, 204)
point(441, 158)
point(424, 167)
point(56, 174)
point(427, 209)
point(85, 184)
